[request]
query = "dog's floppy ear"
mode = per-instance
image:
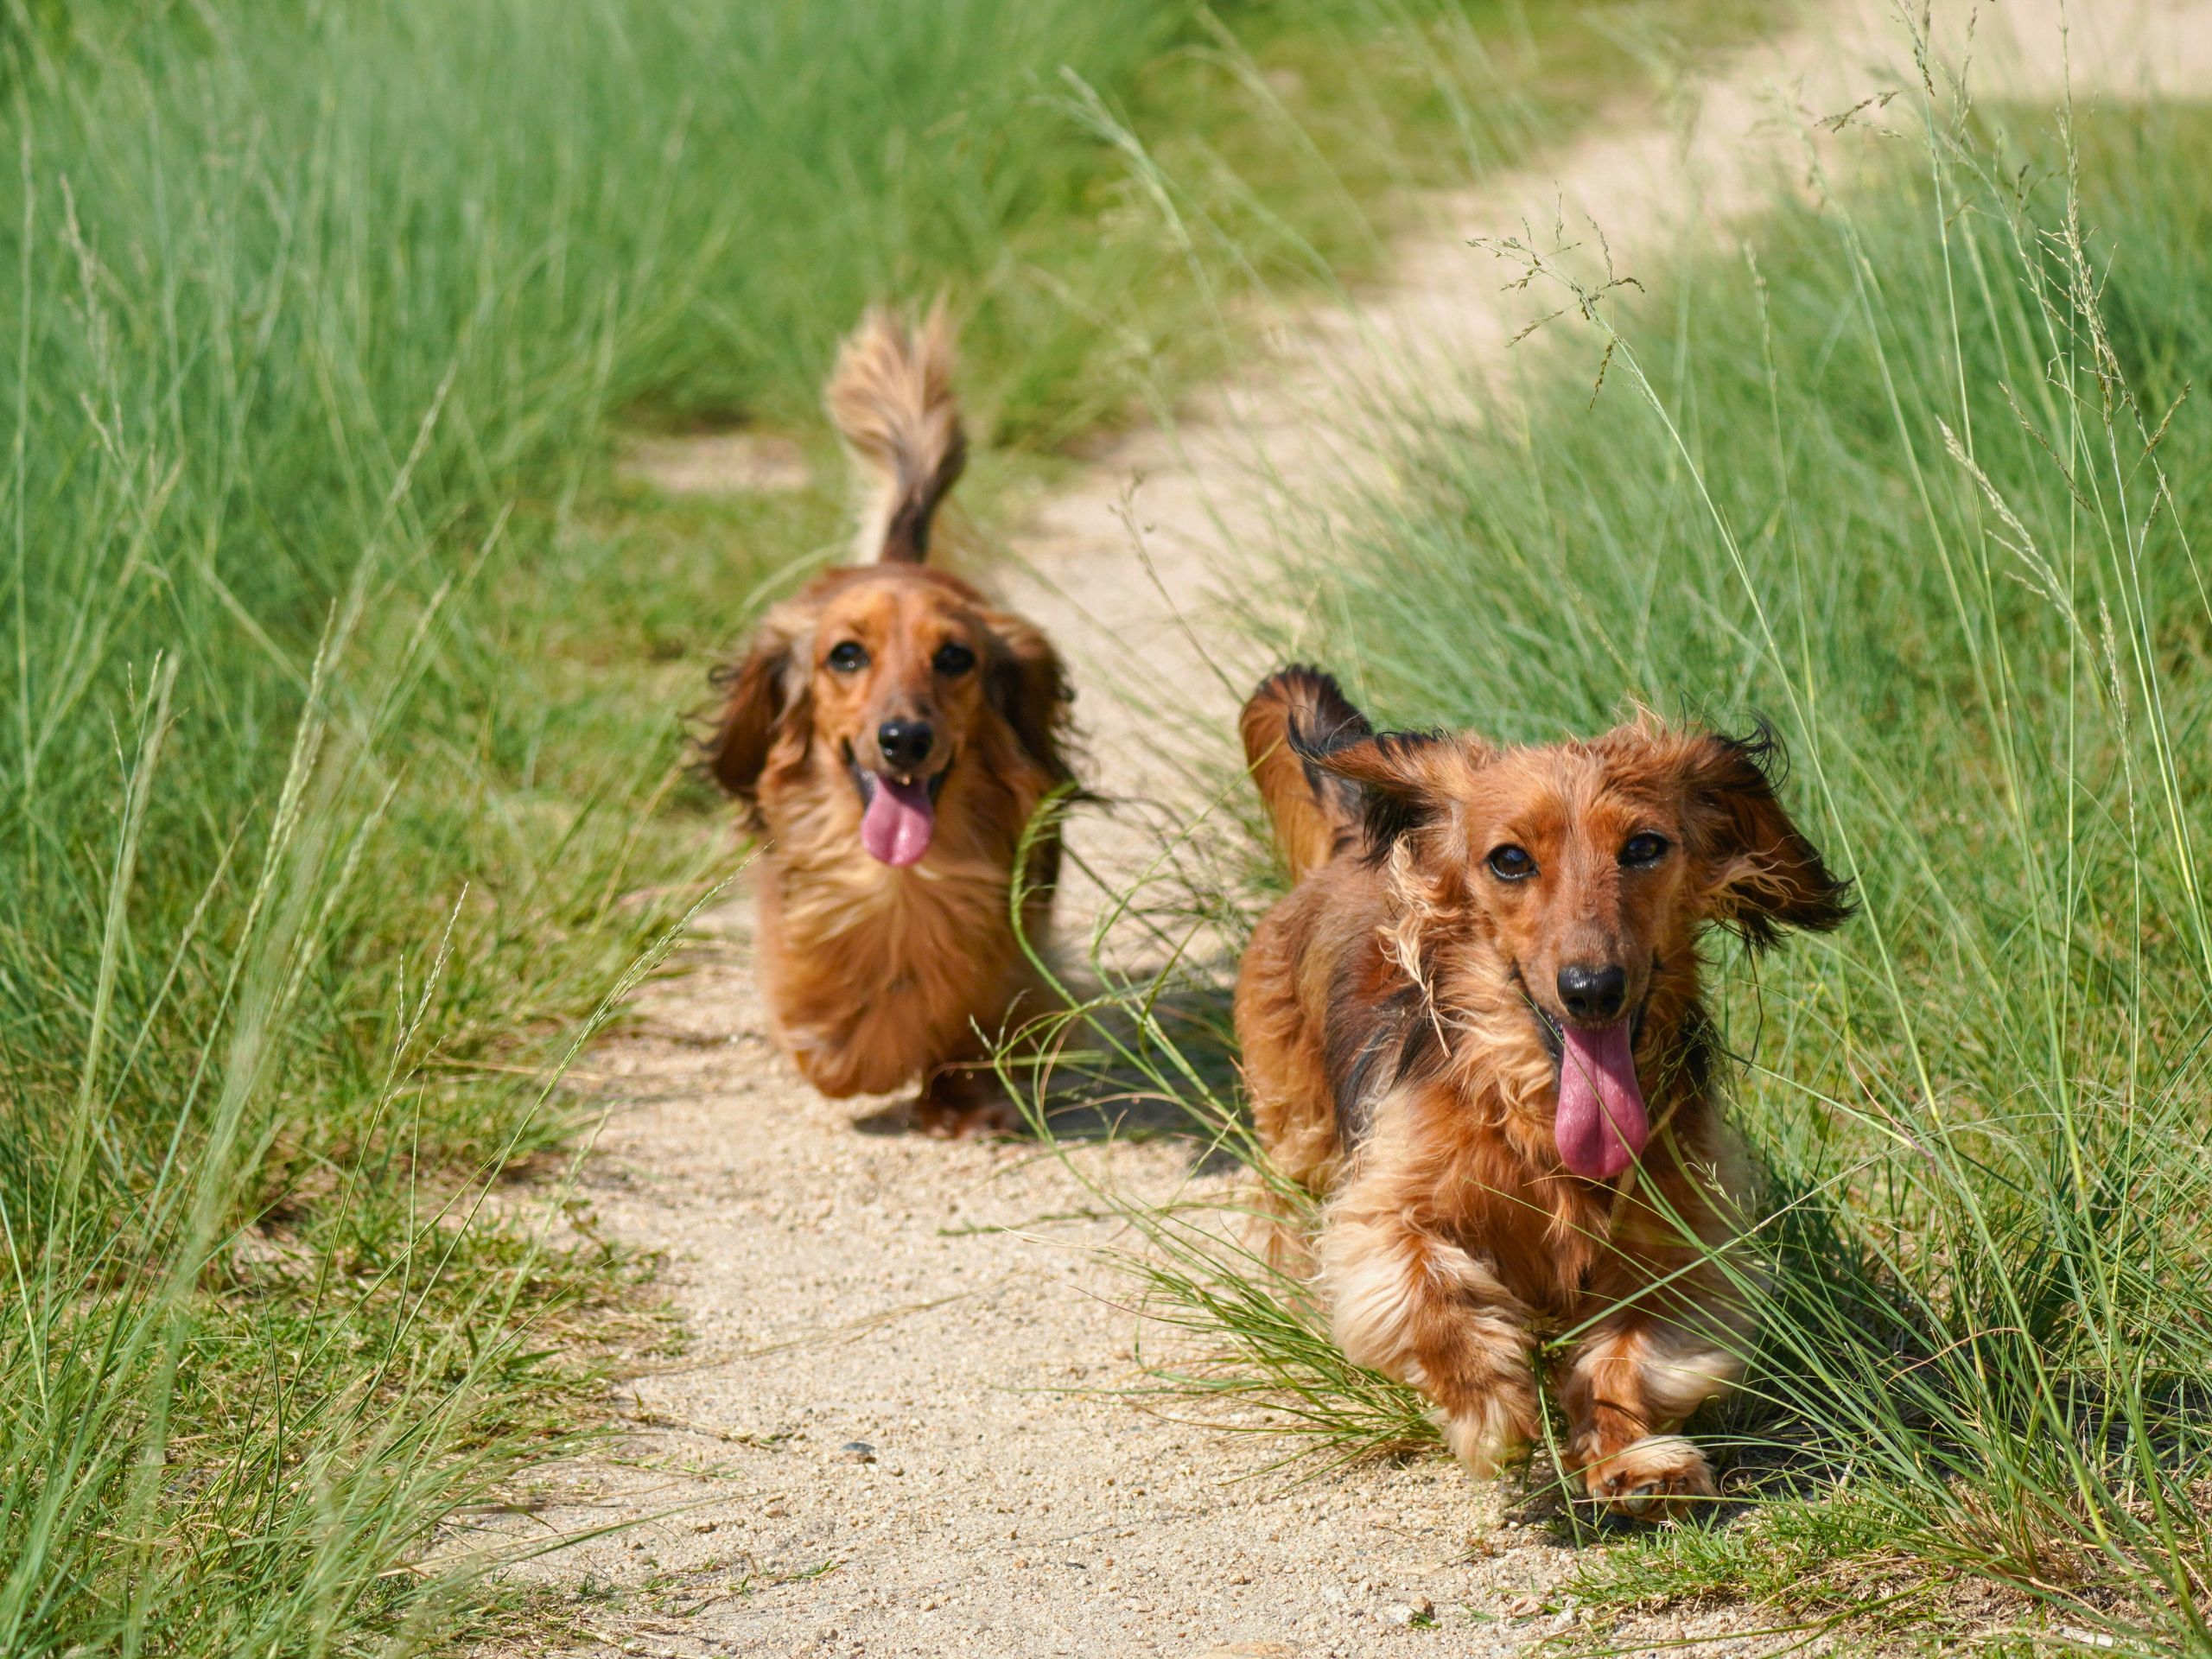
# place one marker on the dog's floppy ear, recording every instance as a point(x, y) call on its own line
point(1399, 775)
point(1028, 684)
point(762, 692)
point(1763, 874)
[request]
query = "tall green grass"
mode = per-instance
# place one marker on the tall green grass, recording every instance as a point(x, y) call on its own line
point(1915, 474)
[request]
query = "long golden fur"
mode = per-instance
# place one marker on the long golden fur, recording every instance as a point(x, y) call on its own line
point(890, 733)
point(1475, 929)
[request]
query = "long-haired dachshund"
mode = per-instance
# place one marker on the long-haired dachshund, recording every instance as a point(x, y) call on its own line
point(1474, 1024)
point(890, 734)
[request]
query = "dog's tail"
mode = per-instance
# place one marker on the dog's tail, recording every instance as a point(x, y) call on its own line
point(1315, 814)
point(891, 399)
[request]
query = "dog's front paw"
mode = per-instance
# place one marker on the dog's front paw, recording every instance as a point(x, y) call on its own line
point(1492, 1438)
point(1657, 1478)
point(965, 1102)
point(984, 1119)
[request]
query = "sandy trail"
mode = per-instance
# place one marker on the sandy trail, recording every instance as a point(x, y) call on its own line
point(941, 1304)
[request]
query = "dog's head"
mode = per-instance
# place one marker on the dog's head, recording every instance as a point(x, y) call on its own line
point(1576, 877)
point(898, 676)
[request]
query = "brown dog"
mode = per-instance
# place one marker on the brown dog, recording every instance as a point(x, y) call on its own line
point(891, 733)
point(1475, 1025)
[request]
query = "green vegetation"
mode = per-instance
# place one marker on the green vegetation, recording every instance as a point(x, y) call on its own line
point(342, 783)
point(1917, 478)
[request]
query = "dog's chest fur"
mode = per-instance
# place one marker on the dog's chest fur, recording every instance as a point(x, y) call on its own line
point(1460, 1136)
point(871, 924)
point(876, 972)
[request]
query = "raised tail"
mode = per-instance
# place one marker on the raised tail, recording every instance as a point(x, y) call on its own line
point(891, 399)
point(1315, 814)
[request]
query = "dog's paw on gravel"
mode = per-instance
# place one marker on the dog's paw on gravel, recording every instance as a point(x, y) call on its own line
point(988, 1119)
point(1659, 1477)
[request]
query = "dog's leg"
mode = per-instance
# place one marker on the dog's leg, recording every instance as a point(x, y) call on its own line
point(1420, 1309)
point(965, 1102)
point(1280, 1232)
point(1627, 1388)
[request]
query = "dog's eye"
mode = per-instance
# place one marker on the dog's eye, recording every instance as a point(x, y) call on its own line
point(849, 657)
point(954, 658)
point(1644, 849)
point(1511, 864)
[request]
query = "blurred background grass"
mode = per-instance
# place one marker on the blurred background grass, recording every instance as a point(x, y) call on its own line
point(342, 767)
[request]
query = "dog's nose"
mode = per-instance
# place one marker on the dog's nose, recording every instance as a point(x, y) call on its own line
point(905, 743)
point(1592, 993)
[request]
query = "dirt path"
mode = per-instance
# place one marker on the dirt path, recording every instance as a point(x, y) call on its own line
point(939, 1304)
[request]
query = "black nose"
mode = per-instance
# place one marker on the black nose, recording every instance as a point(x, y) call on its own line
point(1592, 993)
point(905, 743)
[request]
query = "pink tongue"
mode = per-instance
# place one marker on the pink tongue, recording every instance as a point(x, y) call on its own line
point(897, 825)
point(1601, 1125)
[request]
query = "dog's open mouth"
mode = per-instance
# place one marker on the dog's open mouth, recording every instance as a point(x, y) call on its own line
point(1601, 1123)
point(897, 814)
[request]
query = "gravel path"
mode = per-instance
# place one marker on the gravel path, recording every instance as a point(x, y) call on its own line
point(896, 1428)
